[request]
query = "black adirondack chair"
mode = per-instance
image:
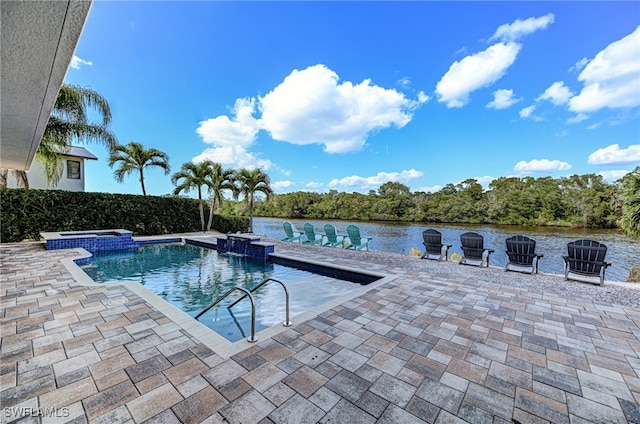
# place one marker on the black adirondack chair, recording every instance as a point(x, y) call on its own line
point(434, 249)
point(521, 253)
point(473, 250)
point(585, 258)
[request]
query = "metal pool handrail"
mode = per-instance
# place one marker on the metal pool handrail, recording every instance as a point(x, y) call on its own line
point(287, 322)
point(252, 338)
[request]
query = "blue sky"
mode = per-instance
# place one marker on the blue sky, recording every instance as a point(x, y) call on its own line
point(350, 95)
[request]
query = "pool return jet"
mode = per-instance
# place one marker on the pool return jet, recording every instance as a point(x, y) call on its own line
point(247, 293)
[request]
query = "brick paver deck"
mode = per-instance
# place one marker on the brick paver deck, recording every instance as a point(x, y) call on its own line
point(417, 349)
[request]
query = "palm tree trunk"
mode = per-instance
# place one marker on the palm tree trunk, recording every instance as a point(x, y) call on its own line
point(201, 207)
point(144, 192)
point(251, 213)
point(213, 206)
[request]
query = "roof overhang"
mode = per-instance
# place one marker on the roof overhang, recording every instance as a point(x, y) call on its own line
point(38, 42)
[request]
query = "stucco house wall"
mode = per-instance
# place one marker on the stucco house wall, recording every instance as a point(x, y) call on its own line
point(73, 175)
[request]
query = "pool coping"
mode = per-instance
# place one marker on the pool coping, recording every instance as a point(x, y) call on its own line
point(204, 334)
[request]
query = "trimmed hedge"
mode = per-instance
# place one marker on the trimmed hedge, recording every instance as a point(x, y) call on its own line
point(24, 213)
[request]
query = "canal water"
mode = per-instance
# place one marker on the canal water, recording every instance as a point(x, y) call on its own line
point(400, 237)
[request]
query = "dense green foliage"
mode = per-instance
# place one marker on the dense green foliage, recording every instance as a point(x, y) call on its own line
point(25, 213)
point(630, 194)
point(577, 200)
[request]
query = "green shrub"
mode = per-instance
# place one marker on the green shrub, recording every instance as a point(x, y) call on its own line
point(25, 213)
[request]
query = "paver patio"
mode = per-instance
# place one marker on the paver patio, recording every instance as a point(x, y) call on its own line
point(416, 349)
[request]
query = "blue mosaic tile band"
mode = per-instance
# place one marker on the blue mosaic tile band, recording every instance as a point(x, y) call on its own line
point(94, 243)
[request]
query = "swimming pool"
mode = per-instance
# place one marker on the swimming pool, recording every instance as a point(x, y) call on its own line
point(191, 277)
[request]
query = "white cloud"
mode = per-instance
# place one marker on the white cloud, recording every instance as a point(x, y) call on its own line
point(541, 165)
point(233, 156)
point(613, 175)
point(520, 28)
point(422, 97)
point(232, 138)
point(313, 184)
point(578, 118)
point(404, 82)
point(614, 155)
point(594, 126)
point(527, 112)
point(77, 62)
point(430, 189)
point(486, 67)
point(579, 65)
point(475, 71)
point(376, 180)
point(557, 93)
point(311, 106)
point(280, 185)
point(612, 78)
point(241, 130)
point(502, 99)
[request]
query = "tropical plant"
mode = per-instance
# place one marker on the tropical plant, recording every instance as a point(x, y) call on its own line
point(193, 176)
point(69, 121)
point(630, 194)
point(249, 183)
point(219, 180)
point(134, 157)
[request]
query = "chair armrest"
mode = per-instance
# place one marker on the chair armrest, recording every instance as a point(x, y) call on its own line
point(540, 255)
point(489, 250)
point(448, 245)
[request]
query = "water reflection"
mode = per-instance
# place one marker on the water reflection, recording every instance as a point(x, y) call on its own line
point(400, 237)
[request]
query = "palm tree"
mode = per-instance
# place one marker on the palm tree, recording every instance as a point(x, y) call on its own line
point(68, 121)
point(194, 176)
point(134, 157)
point(219, 180)
point(630, 193)
point(251, 182)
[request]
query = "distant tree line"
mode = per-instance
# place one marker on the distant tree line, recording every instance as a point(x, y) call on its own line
point(577, 201)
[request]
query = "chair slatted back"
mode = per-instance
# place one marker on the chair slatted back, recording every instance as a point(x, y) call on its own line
point(586, 256)
point(472, 245)
point(521, 250)
point(432, 241)
point(330, 232)
point(288, 229)
point(310, 232)
point(354, 235)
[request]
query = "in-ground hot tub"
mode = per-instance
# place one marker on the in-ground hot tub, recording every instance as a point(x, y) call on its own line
point(91, 240)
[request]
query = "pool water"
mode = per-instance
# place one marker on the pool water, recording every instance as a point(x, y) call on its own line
point(192, 277)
